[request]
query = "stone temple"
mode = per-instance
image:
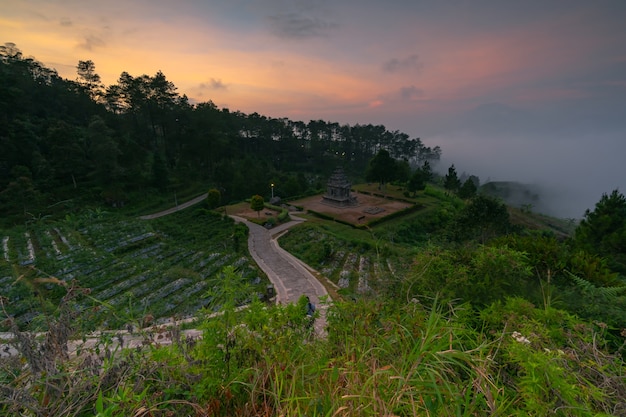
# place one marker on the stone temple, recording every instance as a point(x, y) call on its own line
point(338, 190)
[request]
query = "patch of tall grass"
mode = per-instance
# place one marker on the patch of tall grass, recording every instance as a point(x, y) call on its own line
point(378, 358)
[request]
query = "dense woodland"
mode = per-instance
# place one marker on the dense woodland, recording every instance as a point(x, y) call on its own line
point(75, 139)
point(463, 306)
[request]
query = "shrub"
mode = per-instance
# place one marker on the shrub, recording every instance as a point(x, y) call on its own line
point(283, 216)
point(214, 198)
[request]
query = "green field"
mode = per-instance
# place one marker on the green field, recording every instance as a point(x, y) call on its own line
point(133, 268)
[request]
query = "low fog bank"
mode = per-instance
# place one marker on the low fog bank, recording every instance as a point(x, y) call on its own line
point(569, 173)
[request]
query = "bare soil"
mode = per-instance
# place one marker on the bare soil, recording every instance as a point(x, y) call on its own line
point(368, 208)
point(248, 213)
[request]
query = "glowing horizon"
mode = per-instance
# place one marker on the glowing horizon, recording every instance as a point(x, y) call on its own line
point(450, 72)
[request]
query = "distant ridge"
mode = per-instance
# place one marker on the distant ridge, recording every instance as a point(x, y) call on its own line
point(513, 193)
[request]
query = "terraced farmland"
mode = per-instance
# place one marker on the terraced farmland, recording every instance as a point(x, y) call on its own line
point(355, 265)
point(134, 268)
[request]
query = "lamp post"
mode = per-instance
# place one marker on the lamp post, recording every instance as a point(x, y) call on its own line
point(272, 185)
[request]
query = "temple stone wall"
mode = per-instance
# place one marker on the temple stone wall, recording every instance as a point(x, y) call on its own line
point(338, 190)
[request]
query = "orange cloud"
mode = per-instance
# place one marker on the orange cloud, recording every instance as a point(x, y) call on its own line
point(428, 65)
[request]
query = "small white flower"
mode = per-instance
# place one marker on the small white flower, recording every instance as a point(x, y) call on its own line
point(520, 338)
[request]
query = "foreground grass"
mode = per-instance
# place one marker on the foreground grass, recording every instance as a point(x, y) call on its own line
point(378, 358)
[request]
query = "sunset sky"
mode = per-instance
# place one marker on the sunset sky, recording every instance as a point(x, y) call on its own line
point(533, 91)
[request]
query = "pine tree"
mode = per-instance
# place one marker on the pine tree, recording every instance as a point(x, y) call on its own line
point(451, 181)
point(603, 230)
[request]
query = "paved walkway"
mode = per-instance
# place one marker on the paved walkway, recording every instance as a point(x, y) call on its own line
point(290, 276)
point(175, 209)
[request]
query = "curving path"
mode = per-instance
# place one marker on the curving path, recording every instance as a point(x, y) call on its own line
point(290, 276)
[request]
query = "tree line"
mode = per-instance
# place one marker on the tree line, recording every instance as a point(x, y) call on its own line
point(65, 139)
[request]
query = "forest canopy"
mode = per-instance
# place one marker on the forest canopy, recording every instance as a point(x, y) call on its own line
point(67, 139)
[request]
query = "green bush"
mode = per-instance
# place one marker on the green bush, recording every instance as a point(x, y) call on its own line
point(283, 216)
point(477, 275)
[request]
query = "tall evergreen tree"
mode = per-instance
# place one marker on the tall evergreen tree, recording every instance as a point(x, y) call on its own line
point(427, 170)
point(451, 181)
point(89, 79)
point(603, 230)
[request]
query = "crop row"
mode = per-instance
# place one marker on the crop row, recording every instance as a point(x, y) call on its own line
point(24, 247)
point(353, 265)
point(130, 265)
